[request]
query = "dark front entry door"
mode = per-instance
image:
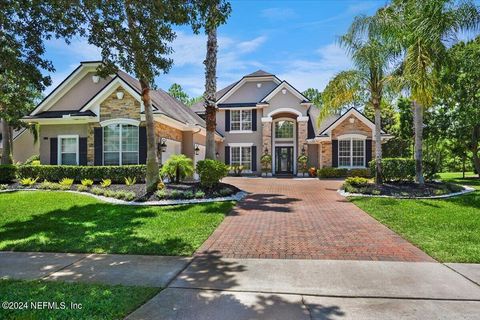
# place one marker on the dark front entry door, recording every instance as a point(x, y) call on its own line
point(283, 159)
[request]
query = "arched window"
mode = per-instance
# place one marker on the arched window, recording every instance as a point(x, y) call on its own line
point(284, 129)
point(120, 143)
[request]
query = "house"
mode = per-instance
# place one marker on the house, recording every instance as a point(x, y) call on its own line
point(88, 120)
point(24, 144)
point(261, 114)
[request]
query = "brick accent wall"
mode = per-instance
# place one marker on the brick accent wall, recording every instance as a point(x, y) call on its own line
point(266, 137)
point(164, 131)
point(326, 154)
point(357, 127)
point(302, 136)
point(90, 143)
point(112, 108)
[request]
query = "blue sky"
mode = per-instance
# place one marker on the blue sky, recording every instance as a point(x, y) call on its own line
point(296, 40)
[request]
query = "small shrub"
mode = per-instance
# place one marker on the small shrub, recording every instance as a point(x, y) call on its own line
point(109, 193)
point(357, 182)
point(82, 188)
point(237, 170)
point(45, 185)
point(129, 195)
point(176, 194)
point(87, 182)
point(359, 172)
point(97, 191)
point(225, 192)
point(177, 168)
point(3, 186)
point(129, 181)
point(161, 194)
point(188, 195)
point(105, 183)
point(302, 161)
point(160, 185)
point(67, 182)
point(29, 161)
point(211, 172)
point(199, 194)
point(8, 173)
point(328, 172)
point(28, 182)
point(266, 161)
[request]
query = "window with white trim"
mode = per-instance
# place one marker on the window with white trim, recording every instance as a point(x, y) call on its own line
point(68, 150)
point(120, 144)
point(241, 156)
point(284, 129)
point(351, 152)
point(240, 120)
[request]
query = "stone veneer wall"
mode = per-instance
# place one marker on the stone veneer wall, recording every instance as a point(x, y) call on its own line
point(266, 138)
point(357, 127)
point(302, 135)
point(164, 131)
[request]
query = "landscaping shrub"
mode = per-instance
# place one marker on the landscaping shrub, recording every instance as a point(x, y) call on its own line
point(176, 194)
point(106, 183)
point(67, 182)
point(188, 195)
point(7, 173)
point(177, 168)
point(396, 169)
point(225, 192)
point(55, 173)
point(211, 172)
point(82, 188)
point(237, 170)
point(46, 185)
point(129, 181)
point(28, 182)
point(3, 186)
point(161, 194)
point(359, 172)
point(87, 182)
point(329, 172)
point(199, 194)
point(357, 181)
point(35, 157)
point(97, 191)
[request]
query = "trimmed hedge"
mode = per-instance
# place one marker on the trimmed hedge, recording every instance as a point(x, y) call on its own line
point(56, 173)
point(211, 172)
point(7, 173)
point(330, 172)
point(396, 169)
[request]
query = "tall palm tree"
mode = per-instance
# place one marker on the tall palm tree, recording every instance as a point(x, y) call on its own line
point(372, 57)
point(424, 29)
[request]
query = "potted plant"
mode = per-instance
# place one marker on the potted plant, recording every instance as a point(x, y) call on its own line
point(266, 161)
point(302, 164)
point(312, 172)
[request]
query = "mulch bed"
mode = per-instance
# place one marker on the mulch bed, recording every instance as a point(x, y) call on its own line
point(410, 189)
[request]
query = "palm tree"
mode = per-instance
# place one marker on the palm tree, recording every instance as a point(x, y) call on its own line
point(372, 57)
point(424, 29)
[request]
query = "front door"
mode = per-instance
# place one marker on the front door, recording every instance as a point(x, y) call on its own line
point(283, 159)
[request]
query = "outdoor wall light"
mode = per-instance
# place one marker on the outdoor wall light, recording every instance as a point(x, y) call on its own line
point(266, 150)
point(303, 150)
point(162, 146)
point(197, 149)
point(95, 79)
point(217, 155)
point(120, 95)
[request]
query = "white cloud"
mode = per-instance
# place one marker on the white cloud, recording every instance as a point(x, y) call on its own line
point(251, 45)
point(278, 13)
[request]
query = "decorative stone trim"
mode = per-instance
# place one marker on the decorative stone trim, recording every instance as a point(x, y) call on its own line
point(236, 197)
point(443, 196)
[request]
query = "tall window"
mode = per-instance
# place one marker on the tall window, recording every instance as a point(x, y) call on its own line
point(68, 150)
point(241, 156)
point(284, 129)
point(120, 144)
point(351, 153)
point(240, 120)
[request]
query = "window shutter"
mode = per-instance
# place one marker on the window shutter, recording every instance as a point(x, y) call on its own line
point(98, 146)
point(227, 155)
point(82, 148)
point(368, 152)
point(227, 120)
point(334, 153)
point(142, 148)
point(254, 158)
point(53, 151)
point(254, 120)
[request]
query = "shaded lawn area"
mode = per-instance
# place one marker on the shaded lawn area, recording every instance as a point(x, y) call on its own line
point(446, 229)
point(67, 222)
point(97, 301)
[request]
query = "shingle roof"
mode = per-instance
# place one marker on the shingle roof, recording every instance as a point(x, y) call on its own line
point(61, 113)
point(259, 73)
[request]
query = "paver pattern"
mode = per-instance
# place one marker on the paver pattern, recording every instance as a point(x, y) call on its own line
point(303, 219)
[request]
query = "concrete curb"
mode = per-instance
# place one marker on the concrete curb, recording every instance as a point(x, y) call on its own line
point(236, 197)
point(443, 196)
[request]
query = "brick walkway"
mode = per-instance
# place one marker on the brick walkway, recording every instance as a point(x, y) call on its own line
point(303, 219)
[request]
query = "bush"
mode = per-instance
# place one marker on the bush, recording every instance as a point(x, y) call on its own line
point(225, 192)
point(3, 186)
point(129, 181)
point(67, 182)
point(106, 183)
point(396, 169)
point(199, 194)
point(28, 182)
point(82, 188)
point(8, 173)
point(359, 172)
point(35, 157)
point(87, 182)
point(211, 172)
point(357, 182)
point(176, 194)
point(329, 172)
point(97, 191)
point(188, 195)
point(96, 173)
point(161, 194)
point(177, 168)
point(46, 185)
point(237, 170)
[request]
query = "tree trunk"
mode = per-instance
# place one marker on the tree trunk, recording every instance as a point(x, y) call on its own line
point(418, 127)
point(476, 158)
point(6, 142)
point(210, 91)
point(378, 142)
point(152, 177)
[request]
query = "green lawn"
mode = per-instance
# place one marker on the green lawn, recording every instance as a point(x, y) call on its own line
point(66, 222)
point(97, 301)
point(447, 229)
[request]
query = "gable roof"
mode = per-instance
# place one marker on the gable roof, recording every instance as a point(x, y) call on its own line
point(259, 73)
point(285, 85)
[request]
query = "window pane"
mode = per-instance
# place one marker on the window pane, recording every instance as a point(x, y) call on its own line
point(246, 157)
point(358, 159)
point(69, 158)
point(246, 119)
point(129, 138)
point(129, 158)
point(111, 158)
point(235, 155)
point(344, 153)
point(69, 145)
point(111, 138)
point(284, 129)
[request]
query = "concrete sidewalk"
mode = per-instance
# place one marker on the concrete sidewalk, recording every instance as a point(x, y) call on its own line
point(128, 270)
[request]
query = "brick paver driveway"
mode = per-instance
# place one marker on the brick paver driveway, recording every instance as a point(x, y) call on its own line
point(303, 219)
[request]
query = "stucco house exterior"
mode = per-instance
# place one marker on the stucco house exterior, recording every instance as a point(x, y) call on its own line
point(261, 114)
point(88, 120)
